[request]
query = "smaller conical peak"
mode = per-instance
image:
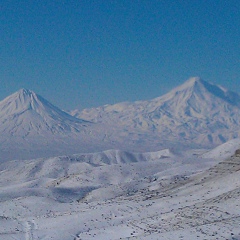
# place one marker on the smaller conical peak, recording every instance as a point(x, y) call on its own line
point(18, 102)
point(25, 92)
point(194, 81)
point(25, 95)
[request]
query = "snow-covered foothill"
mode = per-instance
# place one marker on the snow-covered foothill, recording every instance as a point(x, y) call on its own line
point(122, 195)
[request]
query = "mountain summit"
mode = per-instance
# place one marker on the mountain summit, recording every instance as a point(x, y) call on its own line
point(198, 98)
point(25, 112)
point(196, 112)
point(198, 86)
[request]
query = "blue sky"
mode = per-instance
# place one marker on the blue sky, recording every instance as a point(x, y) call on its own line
point(87, 53)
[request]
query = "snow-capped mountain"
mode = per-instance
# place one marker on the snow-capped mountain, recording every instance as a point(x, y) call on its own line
point(30, 127)
point(195, 112)
point(25, 112)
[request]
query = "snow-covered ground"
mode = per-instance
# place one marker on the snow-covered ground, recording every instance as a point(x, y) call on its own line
point(121, 195)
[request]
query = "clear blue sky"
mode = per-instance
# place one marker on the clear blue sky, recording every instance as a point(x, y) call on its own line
point(87, 53)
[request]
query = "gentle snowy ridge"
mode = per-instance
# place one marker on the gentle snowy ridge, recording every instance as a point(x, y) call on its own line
point(159, 195)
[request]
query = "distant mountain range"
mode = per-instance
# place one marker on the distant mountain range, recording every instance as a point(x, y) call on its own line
point(195, 114)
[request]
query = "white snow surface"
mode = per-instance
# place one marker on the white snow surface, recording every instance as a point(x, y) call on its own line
point(194, 115)
point(61, 177)
point(116, 194)
point(224, 151)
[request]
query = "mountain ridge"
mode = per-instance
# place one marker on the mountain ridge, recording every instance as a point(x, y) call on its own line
point(195, 114)
point(194, 110)
point(194, 83)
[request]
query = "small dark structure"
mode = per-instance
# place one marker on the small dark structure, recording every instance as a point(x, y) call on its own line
point(237, 152)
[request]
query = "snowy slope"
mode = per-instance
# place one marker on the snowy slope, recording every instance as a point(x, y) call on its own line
point(224, 151)
point(117, 195)
point(195, 112)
